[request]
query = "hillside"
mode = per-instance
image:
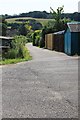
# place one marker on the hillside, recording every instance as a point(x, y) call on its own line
point(45, 15)
point(20, 20)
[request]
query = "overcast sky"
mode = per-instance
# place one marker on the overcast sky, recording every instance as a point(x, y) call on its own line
point(21, 6)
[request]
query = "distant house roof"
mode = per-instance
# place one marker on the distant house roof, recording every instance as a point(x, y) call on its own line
point(74, 26)
point(60, 32)
point(7, 38)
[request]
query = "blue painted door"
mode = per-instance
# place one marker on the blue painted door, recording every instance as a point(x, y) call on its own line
point(67, 46)
point(65, 43)
point(74, 43)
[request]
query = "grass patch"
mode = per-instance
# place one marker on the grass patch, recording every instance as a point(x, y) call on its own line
point(16, 60)
point(18, 52)
point(42, 21)
point(13, 61)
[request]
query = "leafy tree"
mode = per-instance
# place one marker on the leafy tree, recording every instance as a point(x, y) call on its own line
point(57, 14)
point(3, 26)
point(14, 25)
point(36, 37)
point(25, 28)
point(59, 25)
point(35, 24)
point(22, 30)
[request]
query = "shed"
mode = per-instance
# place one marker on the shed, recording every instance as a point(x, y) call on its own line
point(5, 43)
point(72, 38)
point(49, 41)
point(59, 41)
point(55, 41)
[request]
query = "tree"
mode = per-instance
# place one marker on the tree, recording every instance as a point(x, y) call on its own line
point(59, 25)
point(4, 27)
point(57, 14)
point(23, 30)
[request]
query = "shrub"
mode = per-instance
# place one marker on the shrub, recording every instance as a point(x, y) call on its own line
point(36, 37)
point(25, 52)
point(18, 49)
point(20, 52)
point(12, 54)
point(41, 43)
point(23, 30)
point(33, 38)
point(37, 40)
point(29, 36)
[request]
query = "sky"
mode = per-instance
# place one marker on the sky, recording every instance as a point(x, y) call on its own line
point(12, 7)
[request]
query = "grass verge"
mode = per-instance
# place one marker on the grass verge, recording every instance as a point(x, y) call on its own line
point(16, 60)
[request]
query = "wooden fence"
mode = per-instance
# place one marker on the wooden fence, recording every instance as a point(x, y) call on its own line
point(55, 41)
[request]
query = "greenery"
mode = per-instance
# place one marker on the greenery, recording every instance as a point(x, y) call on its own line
point(45, 15)
point(3, 26)
point(13, 61)
point(31, 22)
point(54, 25)
point(33, 38)
point(30, 19)
point(37, 40)
point(59, 24)
point(34, 14)
point(36, 37)
point(18, 49)
point(18, 52)
point(13, 25)
point(32, 27)
point(23, 30)
point(26, 27)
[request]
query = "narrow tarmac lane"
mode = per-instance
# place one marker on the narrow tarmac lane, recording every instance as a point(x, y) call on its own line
point(45, 87)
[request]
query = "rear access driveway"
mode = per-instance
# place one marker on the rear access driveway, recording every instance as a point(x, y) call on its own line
point(45, 87)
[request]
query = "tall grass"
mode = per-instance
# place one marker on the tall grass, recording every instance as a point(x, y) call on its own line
point(18, 51)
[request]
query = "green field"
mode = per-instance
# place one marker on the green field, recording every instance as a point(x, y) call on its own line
point(42, 21)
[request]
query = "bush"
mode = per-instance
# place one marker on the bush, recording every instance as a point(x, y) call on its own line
point(36, 37)
point(23, 30)
point(20, 52)
point(18, 41)
point(12, 54)
point(18, 49)
point(41, 43)
point(33, 38)
point(29, 36)
point(37, 40)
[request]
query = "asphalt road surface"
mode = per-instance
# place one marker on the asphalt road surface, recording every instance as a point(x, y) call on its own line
point(45, 87)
